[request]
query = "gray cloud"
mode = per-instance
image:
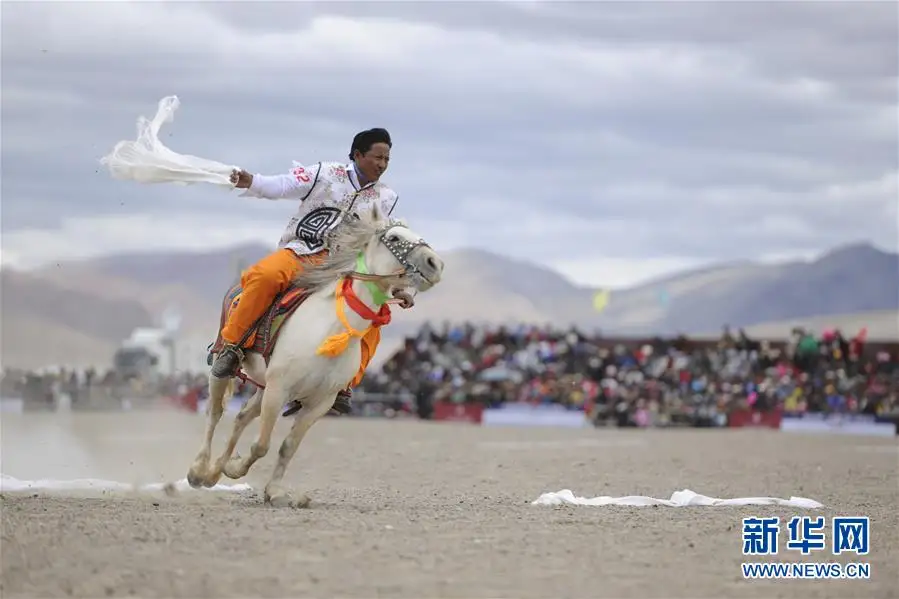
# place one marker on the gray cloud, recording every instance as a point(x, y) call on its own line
point(637, 131)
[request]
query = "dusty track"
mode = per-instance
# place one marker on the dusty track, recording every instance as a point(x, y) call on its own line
point(407, 509)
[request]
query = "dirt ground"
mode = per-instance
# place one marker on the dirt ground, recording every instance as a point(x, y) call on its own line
point(419, 510)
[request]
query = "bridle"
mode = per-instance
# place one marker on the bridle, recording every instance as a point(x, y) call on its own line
point(408, 274)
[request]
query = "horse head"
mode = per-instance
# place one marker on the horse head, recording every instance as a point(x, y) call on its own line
point(398, 258)
point(372, 247)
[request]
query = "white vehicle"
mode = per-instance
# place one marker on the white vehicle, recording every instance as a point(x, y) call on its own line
point(145, 355)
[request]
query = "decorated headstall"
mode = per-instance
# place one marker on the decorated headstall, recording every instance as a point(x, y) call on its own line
point(401, 249)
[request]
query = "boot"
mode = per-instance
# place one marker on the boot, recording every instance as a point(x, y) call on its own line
point(228, 362)
point(342, 404)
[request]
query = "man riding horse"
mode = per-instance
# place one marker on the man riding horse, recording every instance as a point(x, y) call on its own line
point(327, 191)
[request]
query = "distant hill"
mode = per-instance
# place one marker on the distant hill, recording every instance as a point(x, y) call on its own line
point(846, 280)
point(42, 323)
point(83, 309)
point(208, 274)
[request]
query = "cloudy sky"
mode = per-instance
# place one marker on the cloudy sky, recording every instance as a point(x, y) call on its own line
point(612, 141)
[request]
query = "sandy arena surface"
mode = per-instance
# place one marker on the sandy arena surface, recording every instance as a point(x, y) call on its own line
point(410, 509)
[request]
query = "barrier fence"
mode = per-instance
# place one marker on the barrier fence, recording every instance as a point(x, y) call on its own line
point(529, 415)
point(558, 416)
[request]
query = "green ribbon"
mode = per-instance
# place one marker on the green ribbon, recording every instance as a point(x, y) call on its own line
point(379, 297)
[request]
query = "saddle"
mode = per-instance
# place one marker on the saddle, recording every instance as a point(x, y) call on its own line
point(264, 334)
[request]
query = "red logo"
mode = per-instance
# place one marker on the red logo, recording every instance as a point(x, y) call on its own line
point(465, 412)
point(744, 418)
point(300, 174)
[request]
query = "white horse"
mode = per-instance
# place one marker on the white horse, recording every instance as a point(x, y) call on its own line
point(397, 260)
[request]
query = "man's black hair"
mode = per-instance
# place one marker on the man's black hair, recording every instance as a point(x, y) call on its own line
point(364, 140)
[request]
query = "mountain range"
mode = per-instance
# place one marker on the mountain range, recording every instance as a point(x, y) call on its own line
point(77, 313)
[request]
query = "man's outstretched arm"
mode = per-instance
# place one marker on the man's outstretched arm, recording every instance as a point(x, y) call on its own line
point(295, 185)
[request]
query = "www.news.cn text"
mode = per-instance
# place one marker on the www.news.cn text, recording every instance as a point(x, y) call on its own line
point(806, 570)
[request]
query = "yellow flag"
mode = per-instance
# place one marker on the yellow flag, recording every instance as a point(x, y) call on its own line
point(601, 299)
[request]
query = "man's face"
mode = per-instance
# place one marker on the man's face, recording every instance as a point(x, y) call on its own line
point(374, 162)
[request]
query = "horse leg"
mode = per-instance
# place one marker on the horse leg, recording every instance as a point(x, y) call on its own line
point(275, 493)
point(247, 414)
point(273, 399)
point(215, 407)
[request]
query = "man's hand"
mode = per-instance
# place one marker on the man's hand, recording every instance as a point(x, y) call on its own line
point(241, 179)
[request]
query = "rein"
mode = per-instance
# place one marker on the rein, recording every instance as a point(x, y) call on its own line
point(361, 273)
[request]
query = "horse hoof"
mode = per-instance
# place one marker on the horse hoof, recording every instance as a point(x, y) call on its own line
point(212, 480)
point(194, 479)
point(286, 500)
point(232, 468)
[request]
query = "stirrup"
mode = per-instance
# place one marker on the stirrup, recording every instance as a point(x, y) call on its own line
point(234, 349)
point(228, 362)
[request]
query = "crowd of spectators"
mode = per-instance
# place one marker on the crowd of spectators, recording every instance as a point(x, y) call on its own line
point(652, 382)
point(90, 388)
point(656, 382)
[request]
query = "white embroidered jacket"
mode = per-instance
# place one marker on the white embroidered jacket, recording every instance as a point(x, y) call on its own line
point(327, 192)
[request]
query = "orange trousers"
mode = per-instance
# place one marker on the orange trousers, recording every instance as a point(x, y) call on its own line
point(262, 282)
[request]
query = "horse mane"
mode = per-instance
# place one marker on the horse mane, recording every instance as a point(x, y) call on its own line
point(350, 237)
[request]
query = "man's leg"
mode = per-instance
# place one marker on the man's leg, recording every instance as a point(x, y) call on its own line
point(260, 284)
point(369, 346)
